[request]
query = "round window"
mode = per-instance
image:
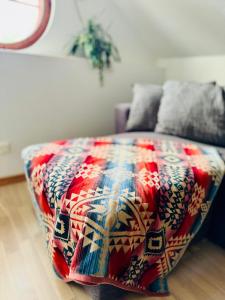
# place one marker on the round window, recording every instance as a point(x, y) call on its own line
point(22, 22)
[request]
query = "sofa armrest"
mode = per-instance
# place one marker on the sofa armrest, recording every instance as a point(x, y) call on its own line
point(122, 111)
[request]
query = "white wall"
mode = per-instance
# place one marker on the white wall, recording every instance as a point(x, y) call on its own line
point(48, 95)
point(46, 98)
point(202, 69)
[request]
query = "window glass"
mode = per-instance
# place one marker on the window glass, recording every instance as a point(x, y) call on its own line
point(22, 22)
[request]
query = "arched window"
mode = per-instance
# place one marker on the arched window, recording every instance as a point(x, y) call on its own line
point(22, 22)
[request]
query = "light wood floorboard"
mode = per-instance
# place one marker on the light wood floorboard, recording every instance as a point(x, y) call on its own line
point(26, 273)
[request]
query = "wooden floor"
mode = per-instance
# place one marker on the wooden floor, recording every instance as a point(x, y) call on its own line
point(26, 274)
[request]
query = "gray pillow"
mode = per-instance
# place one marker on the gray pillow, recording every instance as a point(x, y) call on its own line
point(193, 110)
point(144, 108)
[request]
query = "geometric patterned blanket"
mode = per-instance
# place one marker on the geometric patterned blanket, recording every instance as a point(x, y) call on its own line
point(121, 211)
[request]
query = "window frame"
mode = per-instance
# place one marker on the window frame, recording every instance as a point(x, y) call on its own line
point(44, 20)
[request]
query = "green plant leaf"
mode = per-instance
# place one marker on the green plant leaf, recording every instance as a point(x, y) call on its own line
point(97, 46)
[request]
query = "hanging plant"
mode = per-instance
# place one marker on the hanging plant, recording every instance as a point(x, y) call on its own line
point(95, 44)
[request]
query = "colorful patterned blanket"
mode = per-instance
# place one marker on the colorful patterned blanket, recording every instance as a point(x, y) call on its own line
point(121, 211)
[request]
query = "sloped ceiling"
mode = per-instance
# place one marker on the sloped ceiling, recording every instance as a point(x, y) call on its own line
point(142, 29)
point(177, 28)
point(65, 25)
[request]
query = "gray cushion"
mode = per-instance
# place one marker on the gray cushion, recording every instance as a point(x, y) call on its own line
point(144, 108)
point(193, 110)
